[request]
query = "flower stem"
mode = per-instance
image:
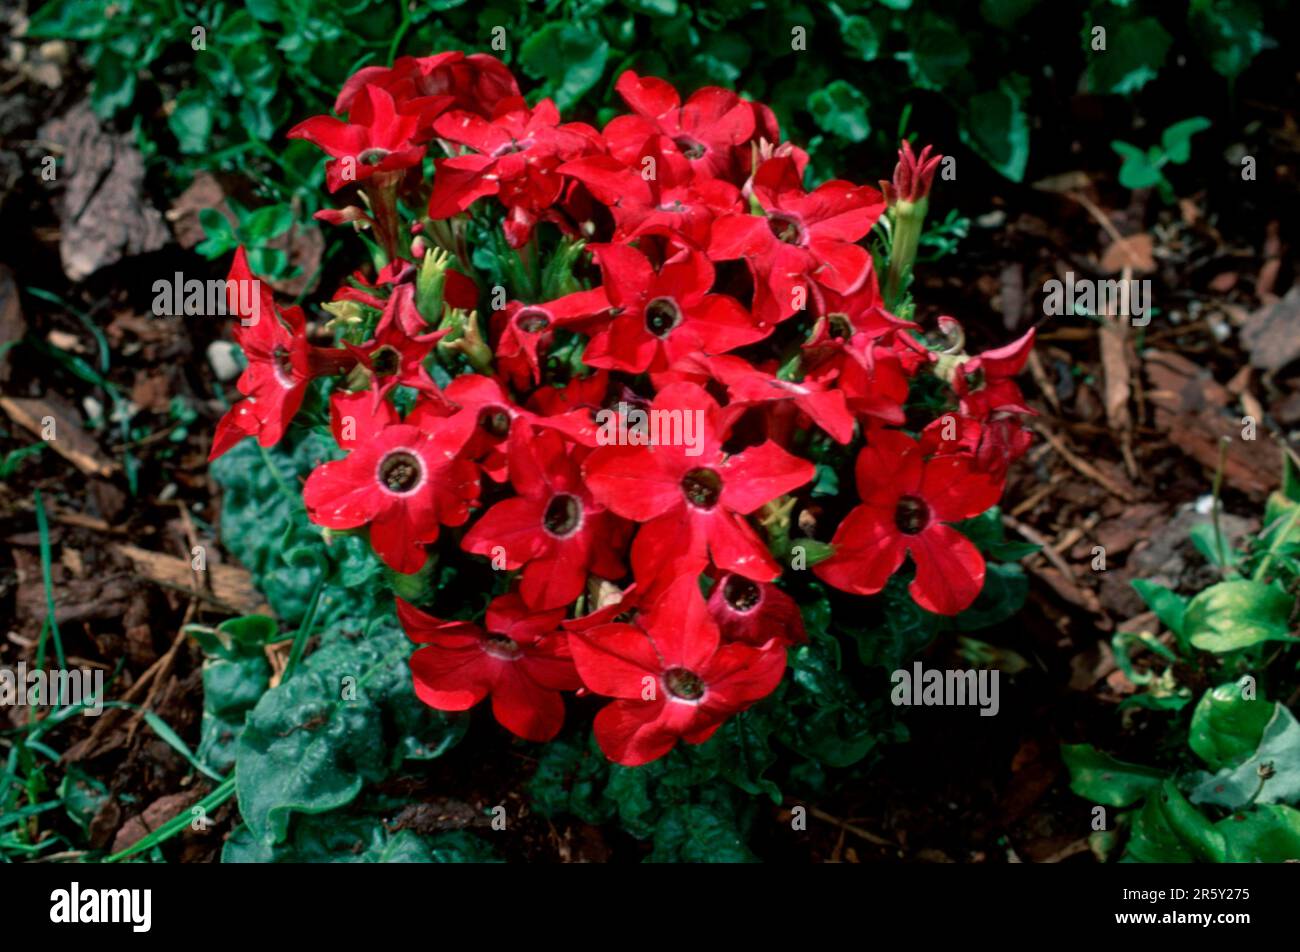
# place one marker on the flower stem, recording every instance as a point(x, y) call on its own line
point(909, 218)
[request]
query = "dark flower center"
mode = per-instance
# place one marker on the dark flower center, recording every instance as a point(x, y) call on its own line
point(400, 471)
point(661, 316)
point(495, 420)
point(740, 593)
point(702, 488)
point(373, 156)
point(690, 148)
point(532, 320)
point(975, 380)
point(840, 326)
point(563, 514)
point(683, 684)
point(912, 515)
point(385, 361)
point(502, 647)
point(785, 228)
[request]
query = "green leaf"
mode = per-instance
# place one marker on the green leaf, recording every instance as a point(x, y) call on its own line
point(1177, 139)
point(191, 121)
point(1168, 829)
point(861, 37)
point(1278, 756)
point(355, 839)
point(1138, 170)
point(841, 110)
point(1265, 834)
point(114, 84)
point(698, 834)
point(995, 126)
point(1206, 541)
point(1170, 607)
point(939, 54)
point(266, 223)
point(1226, 728)
point(1229, 32)
point(312, 743)
point(1001, 597)
point(1005, 13)
point(1135, 51)
point(1101, 778)
point(569, 57)
point(1237, 614)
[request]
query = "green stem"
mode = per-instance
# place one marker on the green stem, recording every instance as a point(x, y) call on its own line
point(1277, 543)
point(909, 218)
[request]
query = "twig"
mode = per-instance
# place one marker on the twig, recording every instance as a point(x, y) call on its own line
point(1083, 466)
point(855, 830)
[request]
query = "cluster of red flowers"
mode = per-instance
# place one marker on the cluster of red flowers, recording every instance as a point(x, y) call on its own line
point(732, 301)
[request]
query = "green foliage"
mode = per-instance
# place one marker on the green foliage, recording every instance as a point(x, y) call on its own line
point(1253, 745)
point(224, 97)
point(344, 718)
point(331, 839)
point(1145, 169)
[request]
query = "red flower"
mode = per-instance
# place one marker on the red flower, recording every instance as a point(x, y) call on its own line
point(906, 502)
point(986, 382)
point(748, 386)
point(706, 130)
point(377, 138)
point(281, 363)
point(524, 332)
point(553, 527)
point(393, 355)
point(693, 499)
point(755, 612)
point(401, 479)
point(676, 199)
point(994, 443)
point(426, 84)
point(802, 236)
point(663, 315)
point(521, 661)
point(516, 155)
point(492, 413)
point(672, 679)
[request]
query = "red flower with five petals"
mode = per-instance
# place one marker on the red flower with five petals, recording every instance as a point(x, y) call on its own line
point(662, 316)
point(403, 480)
point(521, 661)
point(377, 138)
point(906, 503)
point(553, 528)
point(801, 237)
point(672, 679)
point(692, 500)
point(281, 363)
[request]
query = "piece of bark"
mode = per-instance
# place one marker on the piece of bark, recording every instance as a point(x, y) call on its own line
point(231, 585)
point(70, 441)
point(1272, 333)
point(1194, 410)
point(12, 324)
point(154, 816)
point(104, 214)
